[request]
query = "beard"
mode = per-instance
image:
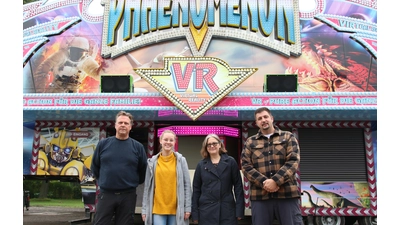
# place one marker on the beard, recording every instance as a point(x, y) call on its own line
point(265, 126)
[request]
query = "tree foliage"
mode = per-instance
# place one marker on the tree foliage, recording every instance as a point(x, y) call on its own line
point(29, 1)
point(56, 189)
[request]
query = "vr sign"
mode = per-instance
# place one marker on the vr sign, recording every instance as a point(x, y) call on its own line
point(195, 84)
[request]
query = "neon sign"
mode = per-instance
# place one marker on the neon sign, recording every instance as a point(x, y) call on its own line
point(194, 84)
point(130, 25)
point(201, 130)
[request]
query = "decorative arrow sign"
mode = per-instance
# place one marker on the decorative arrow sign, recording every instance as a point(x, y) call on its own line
point(194, 84)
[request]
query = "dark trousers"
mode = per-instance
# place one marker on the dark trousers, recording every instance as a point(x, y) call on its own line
point(121, 206)
point(287, 211)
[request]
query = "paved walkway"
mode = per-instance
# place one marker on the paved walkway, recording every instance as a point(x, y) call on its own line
point(70, 216)
point(52, 215)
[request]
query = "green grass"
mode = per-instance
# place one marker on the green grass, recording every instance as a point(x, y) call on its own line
point(68, 203)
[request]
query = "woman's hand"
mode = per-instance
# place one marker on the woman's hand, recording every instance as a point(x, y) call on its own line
point(187, 215)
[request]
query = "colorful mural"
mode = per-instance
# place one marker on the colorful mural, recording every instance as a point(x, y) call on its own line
point(62, 48)
point(67, 152)
point(28, 136)
point(335, 194)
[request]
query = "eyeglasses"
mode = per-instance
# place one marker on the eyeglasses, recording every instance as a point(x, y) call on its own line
point(212, 144)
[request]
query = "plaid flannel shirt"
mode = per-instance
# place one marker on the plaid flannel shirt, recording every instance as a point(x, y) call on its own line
point(276, 157)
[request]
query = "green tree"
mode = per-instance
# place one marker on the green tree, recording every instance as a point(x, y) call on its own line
point(29, 1)
point(54, 189)
point(44, 189)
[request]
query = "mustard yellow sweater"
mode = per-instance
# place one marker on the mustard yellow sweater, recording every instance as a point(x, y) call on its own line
point(165, 186)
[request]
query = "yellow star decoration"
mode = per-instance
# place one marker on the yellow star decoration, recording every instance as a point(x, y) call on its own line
point(195, 84)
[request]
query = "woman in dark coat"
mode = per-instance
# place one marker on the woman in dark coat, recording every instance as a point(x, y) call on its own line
point(218, 196)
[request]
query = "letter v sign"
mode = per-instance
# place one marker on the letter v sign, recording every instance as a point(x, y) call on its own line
point(195, 84)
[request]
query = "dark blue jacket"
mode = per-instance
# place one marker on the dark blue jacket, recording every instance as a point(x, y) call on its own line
point(213, 201)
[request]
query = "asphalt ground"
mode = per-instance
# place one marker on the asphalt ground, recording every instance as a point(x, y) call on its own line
point(70, 216)
point(60, 216)
point(52, 215)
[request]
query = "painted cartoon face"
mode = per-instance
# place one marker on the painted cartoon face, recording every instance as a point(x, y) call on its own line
point(167, 141)
point(61, 154)
point(63, 145)
point(265, 121)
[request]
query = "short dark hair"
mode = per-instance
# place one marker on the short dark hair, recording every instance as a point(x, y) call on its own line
point(262, 109)
point(123, 113)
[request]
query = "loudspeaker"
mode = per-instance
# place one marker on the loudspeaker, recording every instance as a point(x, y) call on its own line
point(280, 83)
point(116, 84)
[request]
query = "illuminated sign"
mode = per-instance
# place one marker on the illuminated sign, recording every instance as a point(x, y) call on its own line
point(233, 101)
point(129, 25)
point(201, 130)
point(194, 84)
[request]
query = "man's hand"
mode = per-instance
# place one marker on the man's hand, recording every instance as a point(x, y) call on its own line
point(270, 186)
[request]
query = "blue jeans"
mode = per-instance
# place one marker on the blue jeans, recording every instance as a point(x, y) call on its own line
point(164, 219)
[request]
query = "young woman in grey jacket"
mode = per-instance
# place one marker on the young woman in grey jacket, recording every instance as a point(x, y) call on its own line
point(167, 188)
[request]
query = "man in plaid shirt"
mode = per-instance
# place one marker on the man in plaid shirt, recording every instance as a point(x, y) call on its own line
point(269, 161)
